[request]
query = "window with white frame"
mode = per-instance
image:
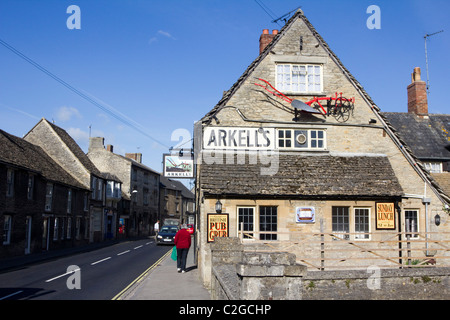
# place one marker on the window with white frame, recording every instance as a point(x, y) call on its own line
point(299, 78)
point(7, 229)
point(433, 167)
point(48, 197)
point(56, 229)
point(362, 223)
point(301, 139)
point(246, 218)
point(100, 189)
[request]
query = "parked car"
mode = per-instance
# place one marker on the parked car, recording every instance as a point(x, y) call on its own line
point(190, 228)
point(166, 235)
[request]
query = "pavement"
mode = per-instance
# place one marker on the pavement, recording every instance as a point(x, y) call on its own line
point(163, 282)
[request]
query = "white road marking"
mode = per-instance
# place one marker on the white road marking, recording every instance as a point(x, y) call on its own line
point(119, 254)
point(62, 275)
point(10, 295)
point(100, 261)
point(138, 247)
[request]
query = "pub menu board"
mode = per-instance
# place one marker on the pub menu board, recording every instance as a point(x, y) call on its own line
point(385, 217)
point(218, 225)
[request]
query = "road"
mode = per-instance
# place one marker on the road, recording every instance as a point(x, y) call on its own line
point(94, 275)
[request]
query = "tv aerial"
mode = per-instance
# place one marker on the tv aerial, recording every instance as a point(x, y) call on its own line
point(285, 17)
point(426, 57)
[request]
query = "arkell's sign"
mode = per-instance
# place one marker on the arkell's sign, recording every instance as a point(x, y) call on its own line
point(234, 138)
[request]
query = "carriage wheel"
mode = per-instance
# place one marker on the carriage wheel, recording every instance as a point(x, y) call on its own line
point(342, 109)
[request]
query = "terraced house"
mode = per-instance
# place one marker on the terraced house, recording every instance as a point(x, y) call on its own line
point(42, 207)
point(299, 158)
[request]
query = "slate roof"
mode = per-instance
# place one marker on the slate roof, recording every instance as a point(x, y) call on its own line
point(427, 137)
point(322, 176)
point(75, 149)
point(21, 153)
point(176, 185)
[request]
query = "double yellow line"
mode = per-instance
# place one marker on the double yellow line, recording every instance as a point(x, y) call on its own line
point(139, 279)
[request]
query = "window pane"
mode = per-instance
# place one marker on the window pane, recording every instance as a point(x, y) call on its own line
point(246, 217)
point(362, 223)
point(268, 222)
point(340, 221)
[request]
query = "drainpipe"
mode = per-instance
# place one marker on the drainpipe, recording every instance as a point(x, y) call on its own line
point(426, 202)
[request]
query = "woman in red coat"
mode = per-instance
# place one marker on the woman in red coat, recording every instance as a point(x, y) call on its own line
point(183, 243)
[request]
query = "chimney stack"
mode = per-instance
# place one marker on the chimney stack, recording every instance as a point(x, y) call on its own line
point(134, 156)
point(417, 95)
point(96, 143)
point(266, 38)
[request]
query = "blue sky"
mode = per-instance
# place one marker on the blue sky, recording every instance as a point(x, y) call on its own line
point(164, 64)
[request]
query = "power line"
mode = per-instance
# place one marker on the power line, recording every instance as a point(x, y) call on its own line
point(266, 10)
point(114, 113)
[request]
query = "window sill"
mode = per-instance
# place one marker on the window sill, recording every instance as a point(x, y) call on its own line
point(305, 94)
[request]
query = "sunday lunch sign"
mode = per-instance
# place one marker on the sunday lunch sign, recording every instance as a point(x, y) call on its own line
point(385, 217)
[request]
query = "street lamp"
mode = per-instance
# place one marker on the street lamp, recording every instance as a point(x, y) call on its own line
point(218, 206)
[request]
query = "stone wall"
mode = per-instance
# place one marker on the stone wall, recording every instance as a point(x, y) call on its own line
point(238, 275)
point(378, 284)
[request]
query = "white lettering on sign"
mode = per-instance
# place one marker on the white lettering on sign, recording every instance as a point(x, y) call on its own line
point(233, 138)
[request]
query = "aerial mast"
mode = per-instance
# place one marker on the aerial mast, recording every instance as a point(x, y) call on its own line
point(426, 57)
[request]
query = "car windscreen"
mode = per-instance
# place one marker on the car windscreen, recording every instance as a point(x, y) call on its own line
point(169, 229)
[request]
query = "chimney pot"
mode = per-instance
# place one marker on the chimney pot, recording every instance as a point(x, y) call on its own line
point(265, 39)
point(275, 31)
point(110, 148)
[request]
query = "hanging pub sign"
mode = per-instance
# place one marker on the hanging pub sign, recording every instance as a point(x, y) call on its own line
point(218, 225)
point(385, 216)
point(179, 167)
point(305, 215)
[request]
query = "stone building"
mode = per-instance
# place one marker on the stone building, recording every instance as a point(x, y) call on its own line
point(307, 178)
point(140, 186)
point(427, 135)
point(60, 146)
point(176, 201)
point(42, 207)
